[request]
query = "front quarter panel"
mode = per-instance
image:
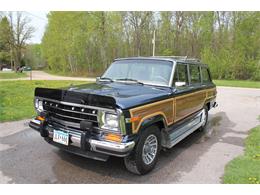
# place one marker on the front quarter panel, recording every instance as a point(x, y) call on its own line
point(162, 108)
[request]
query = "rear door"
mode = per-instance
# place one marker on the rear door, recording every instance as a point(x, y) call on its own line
point(191, 98)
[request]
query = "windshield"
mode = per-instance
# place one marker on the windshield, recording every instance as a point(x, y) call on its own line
point(154, 72)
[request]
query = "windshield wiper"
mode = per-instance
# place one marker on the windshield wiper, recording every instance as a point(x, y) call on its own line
point(129, 79)
point(106, 78)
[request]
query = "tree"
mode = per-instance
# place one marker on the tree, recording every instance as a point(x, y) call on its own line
point(137, 23)
point(33, 56)
point(79, 42)
point(21, 31)
point(5, 41)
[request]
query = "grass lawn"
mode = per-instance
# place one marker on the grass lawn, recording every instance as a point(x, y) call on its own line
point(12, 75)
point(16, 97)
point(245, 169)
point(237, 83)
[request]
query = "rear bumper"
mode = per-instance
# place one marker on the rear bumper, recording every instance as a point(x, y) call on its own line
point(80, 142)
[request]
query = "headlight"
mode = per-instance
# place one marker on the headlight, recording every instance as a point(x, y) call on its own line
point(39, 105)
point(110, 121)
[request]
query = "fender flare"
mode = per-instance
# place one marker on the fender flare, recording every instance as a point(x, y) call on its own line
point(156, 119)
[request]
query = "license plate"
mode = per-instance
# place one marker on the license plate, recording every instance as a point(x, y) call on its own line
point(61, 137)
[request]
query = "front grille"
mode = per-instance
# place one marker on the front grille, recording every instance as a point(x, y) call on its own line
point(70, 114)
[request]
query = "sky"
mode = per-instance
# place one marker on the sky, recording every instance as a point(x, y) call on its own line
point(38, 21)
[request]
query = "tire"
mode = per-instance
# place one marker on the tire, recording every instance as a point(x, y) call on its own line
point(141, 160)
point(204, 124)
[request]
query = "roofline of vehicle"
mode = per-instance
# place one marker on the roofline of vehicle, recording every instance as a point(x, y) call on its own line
point(145, 58)
point(161, 58)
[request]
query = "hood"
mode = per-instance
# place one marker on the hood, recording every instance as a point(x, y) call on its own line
point(107, 94)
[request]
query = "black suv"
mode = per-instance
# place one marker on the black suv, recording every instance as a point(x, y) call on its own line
point(138, 106)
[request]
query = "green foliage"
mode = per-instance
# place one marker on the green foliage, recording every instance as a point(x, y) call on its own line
point(33, 56)
point(85, 43)
point(16, 100)
point(15, 31)
point(4, 41)
point(245, 169)
point(77, 42)
point(235, 54)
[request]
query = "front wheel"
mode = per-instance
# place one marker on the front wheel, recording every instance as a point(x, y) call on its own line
point(145, 155)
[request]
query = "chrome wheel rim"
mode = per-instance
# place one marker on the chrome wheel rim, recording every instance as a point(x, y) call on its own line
point(150, 149)
point(203, 117)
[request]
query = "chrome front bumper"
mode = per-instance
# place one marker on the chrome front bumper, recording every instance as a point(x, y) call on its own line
point(99, 146)
point(112, 148)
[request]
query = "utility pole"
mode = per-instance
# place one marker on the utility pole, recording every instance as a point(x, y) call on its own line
point(153, 41)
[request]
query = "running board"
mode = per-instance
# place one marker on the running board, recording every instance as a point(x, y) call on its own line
point(179, 133)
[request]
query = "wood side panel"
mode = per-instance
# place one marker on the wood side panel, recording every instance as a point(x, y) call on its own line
point(172, 109)
point(188, 104)
point(211, 93)
point(164, 108)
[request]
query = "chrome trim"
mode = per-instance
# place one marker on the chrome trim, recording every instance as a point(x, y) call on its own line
point(71, 117)
point(122, 122)
point(75, 138)
point(112, 146)
point(149, 149)
point(66, 124)
point(74, 104)
point(121, 128)
point(185, 130)
point(86, 113)
point(172, 74)
point(36, 121)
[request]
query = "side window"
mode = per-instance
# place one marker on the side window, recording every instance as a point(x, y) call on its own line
point(194, 74)
point(205, 75)
point(181, 75)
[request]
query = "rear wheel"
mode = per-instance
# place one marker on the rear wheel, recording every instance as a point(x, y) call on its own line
point(204, 118)
point(145, 155)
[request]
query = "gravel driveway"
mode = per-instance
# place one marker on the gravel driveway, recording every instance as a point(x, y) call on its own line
point(200, 158)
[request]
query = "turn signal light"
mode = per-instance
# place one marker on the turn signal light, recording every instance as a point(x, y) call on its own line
point(40, 118)
point(135, 119)
point(113, 137)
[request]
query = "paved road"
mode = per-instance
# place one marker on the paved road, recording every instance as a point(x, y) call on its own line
point(200, 158)
point(40, 75)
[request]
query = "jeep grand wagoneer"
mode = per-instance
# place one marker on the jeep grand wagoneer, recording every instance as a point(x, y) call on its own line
point(138, 106)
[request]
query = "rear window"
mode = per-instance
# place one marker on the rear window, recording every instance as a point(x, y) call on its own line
point(194, 74)
point(205, 75)
point(181, 74)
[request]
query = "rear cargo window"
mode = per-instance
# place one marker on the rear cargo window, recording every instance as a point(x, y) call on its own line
point(205, 75)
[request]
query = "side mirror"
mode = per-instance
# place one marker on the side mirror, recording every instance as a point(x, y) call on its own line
point(180, 84)
point(97, 79)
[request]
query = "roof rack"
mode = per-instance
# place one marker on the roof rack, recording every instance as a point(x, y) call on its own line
point(184, 58)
